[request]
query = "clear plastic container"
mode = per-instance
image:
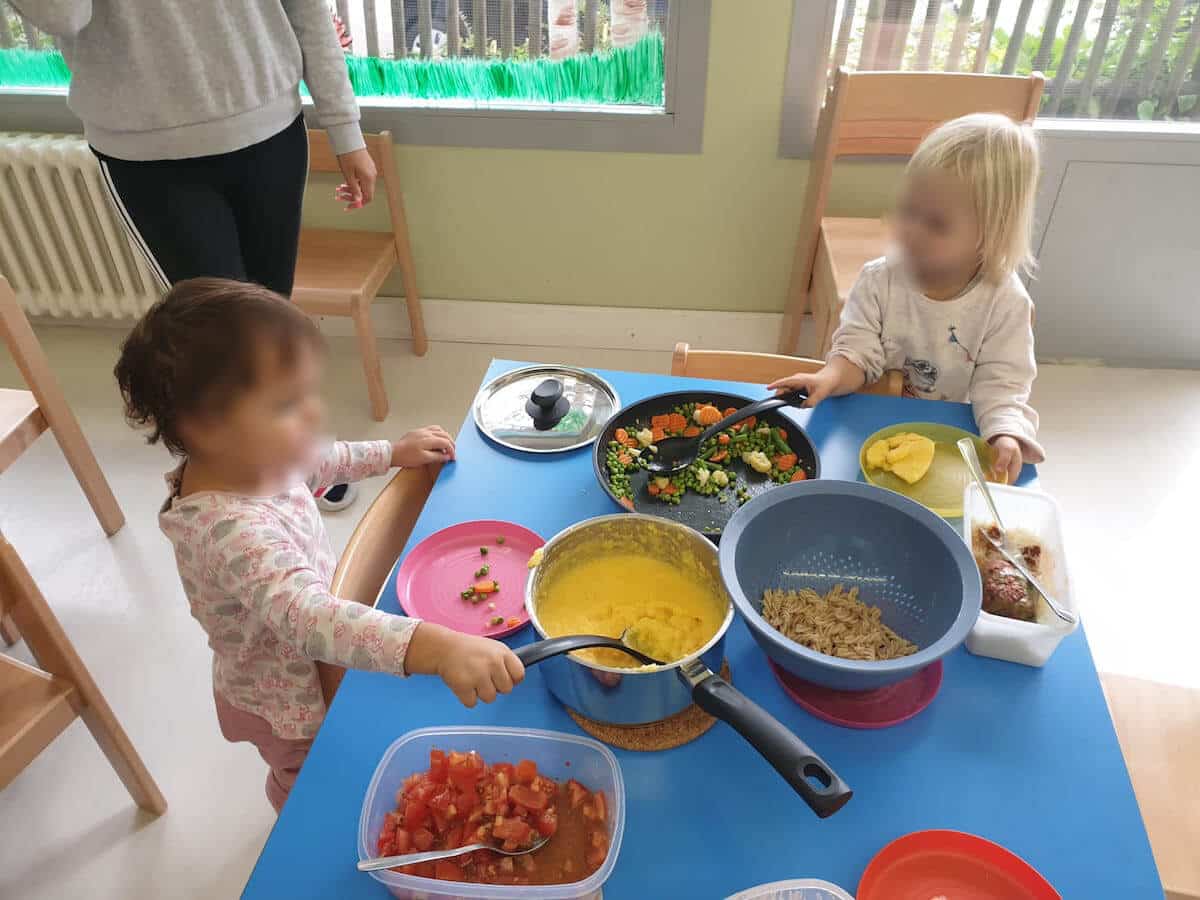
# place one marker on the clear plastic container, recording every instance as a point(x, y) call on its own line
point(796, 889)
point(1037, 514)
point(591, 763)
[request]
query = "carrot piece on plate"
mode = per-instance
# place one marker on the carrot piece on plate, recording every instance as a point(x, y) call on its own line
point(800, 475)
point(624, 459)
point(486, 587)
point(691, 431)
point(621, 436)
point(708, 415)
point(677, 422)
point(658, 434)
point(660, 421)
point(785, 461)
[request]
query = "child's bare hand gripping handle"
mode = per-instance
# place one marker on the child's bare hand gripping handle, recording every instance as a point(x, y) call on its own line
point(838, 376)
point(474, 668)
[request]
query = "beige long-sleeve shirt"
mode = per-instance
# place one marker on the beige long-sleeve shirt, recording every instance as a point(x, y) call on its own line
point(976, 348)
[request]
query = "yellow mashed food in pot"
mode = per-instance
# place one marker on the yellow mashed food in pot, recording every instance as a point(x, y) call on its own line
point(669, 613)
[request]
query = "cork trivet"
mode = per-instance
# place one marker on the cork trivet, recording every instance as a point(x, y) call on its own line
point(679, 729)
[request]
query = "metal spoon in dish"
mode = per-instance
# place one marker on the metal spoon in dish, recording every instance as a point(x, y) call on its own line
point(408, 859)
point(679, 453)
point(966, 447)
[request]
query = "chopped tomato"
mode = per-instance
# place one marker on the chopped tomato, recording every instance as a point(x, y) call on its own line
point(403, 841)
point(438, 766)
point(509, 770)
point(386, 845)
point(599, 807)
point(526, 771)
point(445, 870)
point(422, 839)
point(547, 822)
point(517, 830)
point(577, 792)
point(799, 475)
point(526, 796)
point(416, 813)
point(454, 836)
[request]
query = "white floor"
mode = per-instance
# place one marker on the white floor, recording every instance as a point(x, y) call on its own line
point(1123, 446)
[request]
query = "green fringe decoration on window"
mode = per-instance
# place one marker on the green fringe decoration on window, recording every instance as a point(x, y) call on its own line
point(626, 75)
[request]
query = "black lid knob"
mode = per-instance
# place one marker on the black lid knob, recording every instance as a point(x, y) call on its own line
point(547, 405)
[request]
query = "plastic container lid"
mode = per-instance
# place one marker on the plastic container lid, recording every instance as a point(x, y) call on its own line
point(591, 763)
point(796, 889)
point(545, 409)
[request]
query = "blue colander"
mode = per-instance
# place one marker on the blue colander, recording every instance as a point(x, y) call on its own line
point(902, 558)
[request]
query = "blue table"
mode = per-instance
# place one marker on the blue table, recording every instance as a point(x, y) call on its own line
point(1025, 757)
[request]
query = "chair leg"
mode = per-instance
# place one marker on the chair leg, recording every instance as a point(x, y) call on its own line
point(87, 471)
point(416, 314)
point(368, 349)
point(122, 755)
point(8, 631)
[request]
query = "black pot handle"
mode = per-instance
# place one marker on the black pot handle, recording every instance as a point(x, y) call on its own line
point(791, 398)
point(534, 653)
point(808, 774)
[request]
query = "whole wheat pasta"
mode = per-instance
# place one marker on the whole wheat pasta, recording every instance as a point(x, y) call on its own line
point(837, 624)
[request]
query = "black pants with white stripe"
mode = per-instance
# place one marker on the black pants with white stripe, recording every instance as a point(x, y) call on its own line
point(232, 215)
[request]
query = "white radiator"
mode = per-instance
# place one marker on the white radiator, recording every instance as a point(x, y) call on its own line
point(63, 246)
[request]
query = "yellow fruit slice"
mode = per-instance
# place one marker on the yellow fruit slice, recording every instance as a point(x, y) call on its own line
point(905, 455)
point(877, 454)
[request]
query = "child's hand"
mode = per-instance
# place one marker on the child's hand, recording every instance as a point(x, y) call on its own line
point(818, 384)
point(1006, 459)
point(478, 668)
point(421, 447)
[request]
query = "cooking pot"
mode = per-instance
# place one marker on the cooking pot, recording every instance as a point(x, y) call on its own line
point(650, 693)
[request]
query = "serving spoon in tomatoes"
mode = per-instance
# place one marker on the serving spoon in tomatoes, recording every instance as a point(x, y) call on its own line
point(408, 859)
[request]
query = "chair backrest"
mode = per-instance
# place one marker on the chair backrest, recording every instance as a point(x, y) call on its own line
point(321, 158)
point(735, 365)
point(374, 548)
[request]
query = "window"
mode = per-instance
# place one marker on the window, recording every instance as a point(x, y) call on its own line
point(1103, 59)
point(570, 74)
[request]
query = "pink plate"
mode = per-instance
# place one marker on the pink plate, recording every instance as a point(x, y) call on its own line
point(434, 574)
point(880, 708)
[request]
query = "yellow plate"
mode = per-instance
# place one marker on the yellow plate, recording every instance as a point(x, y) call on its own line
point(942, 487)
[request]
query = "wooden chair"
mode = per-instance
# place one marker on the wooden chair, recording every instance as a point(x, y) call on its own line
point(37, 704)
point(340, 272)
point(874, 114)
point(374, 548)
point(1158, 726)
point(26, 414)
point(733, 365)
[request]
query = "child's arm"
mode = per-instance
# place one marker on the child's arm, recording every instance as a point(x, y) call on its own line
point(347, 461)
point(260, 568)
point(1000, 386)
point(857, 354)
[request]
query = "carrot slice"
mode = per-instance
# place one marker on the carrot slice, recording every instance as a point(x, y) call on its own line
point(782, 434)
point(670, 489)
point(800, 475)
point(708, 415)
point(676, 422)
point(722, 439)
point(691, 431)
point(660, 421)
point(729, 412)
point(653, 488)
point(783, 461)
point(627, 503)
point(624, 459)
point(719, 456)
point(658, 434)
point(749, 423)
point(486, 587)
point(621, 436)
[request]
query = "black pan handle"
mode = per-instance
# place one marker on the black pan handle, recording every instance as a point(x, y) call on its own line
point(791, 757)
point(534, 653)
point(790, 398)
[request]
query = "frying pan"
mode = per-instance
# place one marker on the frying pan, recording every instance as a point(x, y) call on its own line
point(706, 514)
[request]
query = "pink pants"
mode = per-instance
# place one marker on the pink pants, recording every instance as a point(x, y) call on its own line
point(285, 757)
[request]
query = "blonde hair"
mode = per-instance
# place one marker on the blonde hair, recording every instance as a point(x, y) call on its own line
point(997, 159)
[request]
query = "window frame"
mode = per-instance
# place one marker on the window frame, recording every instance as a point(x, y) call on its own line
point(806, 79)
point(677, 128)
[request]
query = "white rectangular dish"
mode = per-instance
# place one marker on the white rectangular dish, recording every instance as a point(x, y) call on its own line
point(1036, 514)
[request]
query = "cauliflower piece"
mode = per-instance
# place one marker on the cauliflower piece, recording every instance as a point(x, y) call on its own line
point(632, 451)
point(702, 476)
point(720, 478)
point(661, 482)
point(757, 460)
point(645, 437)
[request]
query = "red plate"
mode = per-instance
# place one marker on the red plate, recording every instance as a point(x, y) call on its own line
point(880, 708)
point(926, 865)
point(434, 574)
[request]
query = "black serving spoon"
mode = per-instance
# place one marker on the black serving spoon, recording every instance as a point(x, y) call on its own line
point(679, 453)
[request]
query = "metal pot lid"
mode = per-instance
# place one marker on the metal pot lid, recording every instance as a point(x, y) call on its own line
point(545, 409)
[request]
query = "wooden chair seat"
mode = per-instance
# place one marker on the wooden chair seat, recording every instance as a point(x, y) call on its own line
point(35, 708)
point(21, 421)
point(337, 270)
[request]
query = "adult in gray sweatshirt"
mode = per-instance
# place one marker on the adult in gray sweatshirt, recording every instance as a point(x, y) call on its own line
point(193, 107)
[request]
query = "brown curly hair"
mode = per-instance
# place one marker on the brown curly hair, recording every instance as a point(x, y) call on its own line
point(199, 345)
